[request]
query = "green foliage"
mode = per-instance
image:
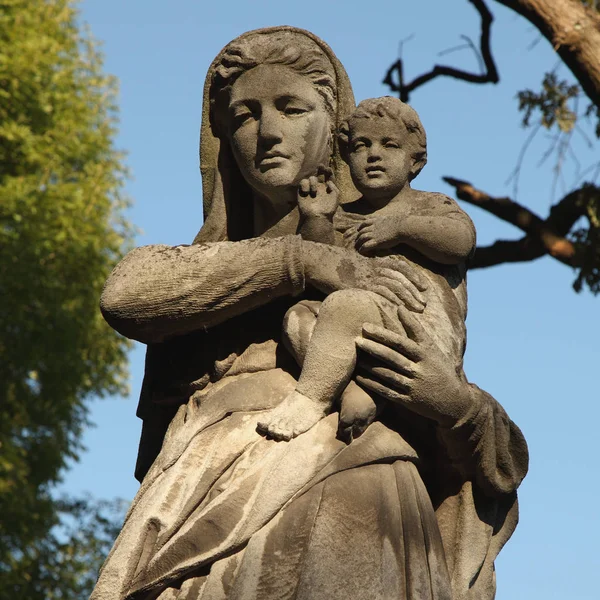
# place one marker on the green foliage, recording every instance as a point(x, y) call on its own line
point(552, 102)
point(61, 231)
point(555, 107)
point(587, 243)
point(64, 564)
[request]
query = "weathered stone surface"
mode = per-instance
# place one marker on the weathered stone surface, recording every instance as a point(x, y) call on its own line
point(308, 430)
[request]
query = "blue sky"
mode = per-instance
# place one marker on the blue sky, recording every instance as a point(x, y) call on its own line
point(533, 342)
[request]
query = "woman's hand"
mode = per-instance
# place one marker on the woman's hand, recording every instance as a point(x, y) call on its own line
point(410, 369)
point(329, 268)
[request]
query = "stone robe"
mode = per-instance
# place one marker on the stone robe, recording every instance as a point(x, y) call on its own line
point(408, 510)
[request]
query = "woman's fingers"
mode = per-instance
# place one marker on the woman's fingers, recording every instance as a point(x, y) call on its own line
point(313, 185)
point(413, 327)
point(404, 295)
point(331, 187)
point(374, 386)
point(396, 341)
point(400, 381)
point(382, 290)
point(350, 236)
point(395, 360)
point(401, 282)
point(403, 270)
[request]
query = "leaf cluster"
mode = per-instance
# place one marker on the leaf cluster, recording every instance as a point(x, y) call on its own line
point(64, 564)
point(555, 106)
point(587, 244)
point(552, 103)
point(62, 229)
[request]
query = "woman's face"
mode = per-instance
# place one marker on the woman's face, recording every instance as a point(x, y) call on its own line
point(279, 128)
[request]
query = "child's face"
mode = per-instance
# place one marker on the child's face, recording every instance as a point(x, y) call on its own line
point(380, 160)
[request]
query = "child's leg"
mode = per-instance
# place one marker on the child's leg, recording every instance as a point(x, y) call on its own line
point(357, 411)
point(298, 326)
point(357, 408)
point(328, 365)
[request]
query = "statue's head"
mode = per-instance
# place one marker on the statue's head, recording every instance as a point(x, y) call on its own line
point(274, 98)
point(383, 130)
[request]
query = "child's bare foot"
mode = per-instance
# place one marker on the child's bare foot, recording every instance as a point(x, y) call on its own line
point(295, 415)
point(357, 412)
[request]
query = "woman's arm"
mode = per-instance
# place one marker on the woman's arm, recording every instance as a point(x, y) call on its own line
point(159, 291)
point(487, 446)
point(476, 431)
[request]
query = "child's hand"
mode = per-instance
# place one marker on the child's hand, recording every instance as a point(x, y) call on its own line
point(377, 233)
point(318, 197)
point(347, 224)
point(350, 237)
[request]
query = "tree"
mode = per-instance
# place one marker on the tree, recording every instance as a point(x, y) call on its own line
point(64, 564)
point(573, 29)
point(62, 229)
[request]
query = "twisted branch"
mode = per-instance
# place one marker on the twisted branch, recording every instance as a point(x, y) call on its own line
point(537, 229)
point(490, 76)
point(544, 236)
point(506, 251)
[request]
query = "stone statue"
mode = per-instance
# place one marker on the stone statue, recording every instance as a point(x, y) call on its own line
point(413, 494)
point(384, 143)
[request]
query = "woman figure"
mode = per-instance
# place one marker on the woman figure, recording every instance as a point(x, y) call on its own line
point(416, 507)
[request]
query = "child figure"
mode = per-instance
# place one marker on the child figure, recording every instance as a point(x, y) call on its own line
point(384, 144)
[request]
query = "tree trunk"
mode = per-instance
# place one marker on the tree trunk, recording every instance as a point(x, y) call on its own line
point(573, 29)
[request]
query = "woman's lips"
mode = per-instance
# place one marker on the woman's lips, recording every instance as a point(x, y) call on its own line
point(272, 159)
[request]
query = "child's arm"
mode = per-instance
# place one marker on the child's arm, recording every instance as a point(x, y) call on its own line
point(442, 232)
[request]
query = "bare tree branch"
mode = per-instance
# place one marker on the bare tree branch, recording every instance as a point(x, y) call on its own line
point(506, 251)
point(573, 29)
point(489, 76)
point(539, 231)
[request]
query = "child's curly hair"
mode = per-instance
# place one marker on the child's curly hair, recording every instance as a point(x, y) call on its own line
point(395, 109)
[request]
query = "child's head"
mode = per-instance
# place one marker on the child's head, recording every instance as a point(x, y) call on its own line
point(384, 143)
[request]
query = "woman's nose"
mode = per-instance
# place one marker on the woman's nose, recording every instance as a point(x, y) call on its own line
point(269, 129)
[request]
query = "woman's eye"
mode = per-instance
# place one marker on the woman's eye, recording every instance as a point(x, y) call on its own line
point(392, 145)
point(294, 110)
point(240, 115)
point(358, 146)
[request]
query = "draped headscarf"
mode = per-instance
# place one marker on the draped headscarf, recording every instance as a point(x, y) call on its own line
point(227, 198)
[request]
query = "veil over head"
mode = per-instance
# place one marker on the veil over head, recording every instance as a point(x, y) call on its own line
point(227, 199)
